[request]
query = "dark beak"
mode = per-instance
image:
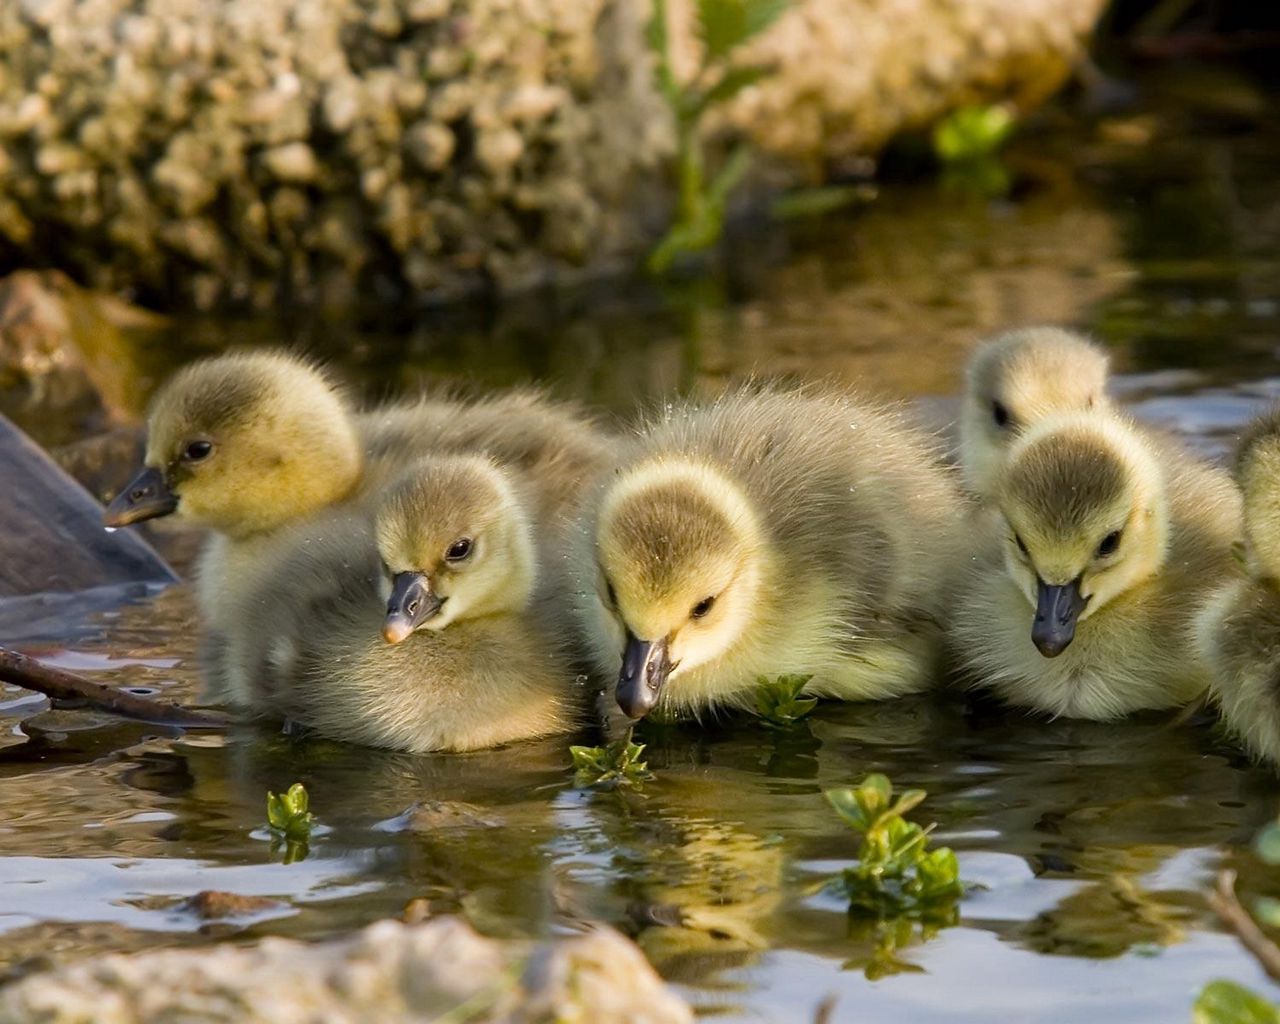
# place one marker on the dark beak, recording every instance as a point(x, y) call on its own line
point(1057, 609)
point(412, 603)
point(645, 667)
point(146, 496)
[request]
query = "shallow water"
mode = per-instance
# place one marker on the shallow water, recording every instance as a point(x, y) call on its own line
point(1091, 845)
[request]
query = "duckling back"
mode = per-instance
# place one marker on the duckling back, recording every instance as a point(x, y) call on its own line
point(1237, 629)
point(836, 514)
point(1162, 528)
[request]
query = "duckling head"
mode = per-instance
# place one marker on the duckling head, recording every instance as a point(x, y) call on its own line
point(1014, 381)
point(1084, 503)
point(243, 443)
point(1258, 471)
point(455, 543)
point(682, 572)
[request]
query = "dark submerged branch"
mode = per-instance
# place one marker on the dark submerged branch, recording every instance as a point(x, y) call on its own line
point(62, 685)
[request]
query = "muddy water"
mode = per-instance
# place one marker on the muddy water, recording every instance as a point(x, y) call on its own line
point(1091, 846)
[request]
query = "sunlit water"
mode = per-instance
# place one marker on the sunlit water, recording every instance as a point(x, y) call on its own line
point(1090, 846)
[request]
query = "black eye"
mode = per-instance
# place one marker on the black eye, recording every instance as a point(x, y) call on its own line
point(1110, 544)
point(1000, 414)
point(1021, 546)
point(702, 607)
point(613, 595)
point(459, 550)
point(197, 450)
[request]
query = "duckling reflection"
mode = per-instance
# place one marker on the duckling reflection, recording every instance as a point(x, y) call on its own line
point(1238, 629)
point(1107, 541)
point(1014, 381)
point(494, 676)
point(769, 532)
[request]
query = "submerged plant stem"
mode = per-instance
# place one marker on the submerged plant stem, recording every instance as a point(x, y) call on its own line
point(1228, 907)
point(62, 685)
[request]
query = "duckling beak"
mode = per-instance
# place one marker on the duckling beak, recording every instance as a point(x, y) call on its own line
point(645, 667)
point(412, 603)
point(1057, 609)
point(146, 496)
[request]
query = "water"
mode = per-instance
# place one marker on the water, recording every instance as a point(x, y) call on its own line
point(1092, 845)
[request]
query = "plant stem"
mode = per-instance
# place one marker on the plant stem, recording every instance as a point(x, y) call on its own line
point(1228, 907)
point(62, 685)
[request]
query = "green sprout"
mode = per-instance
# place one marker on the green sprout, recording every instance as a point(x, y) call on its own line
point(290, 820)
point(1225, 1002)
point(897, 875)
point(723, 26)
point(617, 763)
point(779, 702)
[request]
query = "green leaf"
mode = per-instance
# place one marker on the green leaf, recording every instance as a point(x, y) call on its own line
point(618, 762)
point(972, 132)
point(288, 814)
point(727, 86)
point(724, 25)
point(1267, 843)
point(1267, 911)
point(814, 202)
point(779, 702)
point(845, 802)
point(1225, 1002)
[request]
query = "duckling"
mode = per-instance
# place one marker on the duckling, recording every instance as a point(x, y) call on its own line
point(319, 642)
point(1016, 379)
point(248, 443)
point(1238, 629)
point(1104, 542)
point(773, 531)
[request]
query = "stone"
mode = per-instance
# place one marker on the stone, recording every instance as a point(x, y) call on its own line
point(390, 972)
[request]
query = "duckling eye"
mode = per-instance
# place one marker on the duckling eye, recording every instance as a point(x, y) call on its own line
point(459, 550)
point(702, 607)
point(197, 451)
point(1000, 414)
point(1021, 545)
point(1110, 544)
point(612, 594)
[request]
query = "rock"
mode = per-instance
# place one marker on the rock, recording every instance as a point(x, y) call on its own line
point(66, 358)
point(536, 124)
point(389, 972)
point(53, 538)
point(211, 904)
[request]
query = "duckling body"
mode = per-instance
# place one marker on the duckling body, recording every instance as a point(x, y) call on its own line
point(250, 444)
point(479, 670)
point(1103, 541)
point(1014, 381)
point(1238, 629)
point(770, 532)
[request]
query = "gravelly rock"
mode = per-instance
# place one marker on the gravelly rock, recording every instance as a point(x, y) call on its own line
point(252, 150)
point(389, 972)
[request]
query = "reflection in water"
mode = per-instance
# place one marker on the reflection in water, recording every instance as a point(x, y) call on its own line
point(1091, 844)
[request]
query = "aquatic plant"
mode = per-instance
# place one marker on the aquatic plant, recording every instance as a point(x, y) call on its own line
point(967, 142)
point(290, 820)
point(897, 875)
point(618, 762)
point(1225, 1002)
point(722, 26)
point(779, 703)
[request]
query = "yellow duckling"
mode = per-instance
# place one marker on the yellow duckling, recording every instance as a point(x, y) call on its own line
point(1017, 379)
point(248, 443)
point(1106, 540)
point(770, 532)
point(319, 642)
point(1238, 629)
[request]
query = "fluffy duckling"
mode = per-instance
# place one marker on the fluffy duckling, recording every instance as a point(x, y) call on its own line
point(1105, 541)
point(770, 532)
point(454, 542)
point(1017, 379)
point(248, 443)
point(1238, 629)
